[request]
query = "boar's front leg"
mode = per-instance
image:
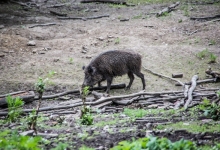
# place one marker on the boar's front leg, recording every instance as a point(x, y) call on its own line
point(109, 82)
point(99, 84)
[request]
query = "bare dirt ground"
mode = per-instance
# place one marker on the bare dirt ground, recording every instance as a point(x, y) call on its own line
point(168, 44)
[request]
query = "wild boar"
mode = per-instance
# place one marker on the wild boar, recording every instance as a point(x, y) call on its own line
point(113, 63)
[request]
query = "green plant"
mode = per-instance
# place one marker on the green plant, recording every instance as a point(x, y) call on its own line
point(14, 107)
point(138, 16)
point(61, 146)
point(212, 42)
point(51, 74)
point(218, 94)
point(202, 54)
point(135, 113)
point(85, 148)
point(154, 143)
point(71, 60)
point(40, 86)
point(86, 117)
point(165, 14)
point(116, 5)
point(185, 10)
point(117, 40)
point(86, 91)
point(30, 119)
point(212, 57)
point(13, 140)
point(211, 110)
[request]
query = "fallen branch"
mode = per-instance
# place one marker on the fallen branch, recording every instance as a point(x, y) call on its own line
point(46, 24)
point(126, 102)
point(163, 76)
point(83, 18)
point(191, 89)
point(57, 13)
point(103, 104)
point(20, 3)
point(198, 82)
point(114, 86)
point(205, 18)
point(101, 100)
point(202, 2)
point(153, 98)
point(57, 5)
point(119, 2)
point(167, 9)
point(186, 89)
point(23, 95)
point(13, 93)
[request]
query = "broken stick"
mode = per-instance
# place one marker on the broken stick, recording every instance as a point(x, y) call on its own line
point(191, 89)
point(46, 24)
point(160, 75)
point(83, 18)
point(167, 9)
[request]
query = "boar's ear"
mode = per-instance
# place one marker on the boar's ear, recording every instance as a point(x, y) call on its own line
point(83, 67)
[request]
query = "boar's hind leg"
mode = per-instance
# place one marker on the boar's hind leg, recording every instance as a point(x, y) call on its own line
point(141, 75)
point(109, 82)
point(131, 76)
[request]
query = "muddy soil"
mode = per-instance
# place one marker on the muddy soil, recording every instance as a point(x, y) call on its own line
point(169, 44)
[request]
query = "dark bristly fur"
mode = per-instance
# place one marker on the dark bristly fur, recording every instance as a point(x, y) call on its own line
point(113, 63)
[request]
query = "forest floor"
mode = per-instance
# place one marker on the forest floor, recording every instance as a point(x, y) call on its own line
point(170, 44)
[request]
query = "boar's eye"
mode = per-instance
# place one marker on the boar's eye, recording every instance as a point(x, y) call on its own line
point(83, 68)
point(90, 70)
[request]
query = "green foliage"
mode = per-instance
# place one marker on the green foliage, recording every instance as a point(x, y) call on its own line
point(40, 85)
point(117, 40)
point(135, 113)
point(211, 110)
point(218, 94)
point(216, 147)
point(71, 60)
point(51, 74)
point(205, 53)
point(202, 54)
point(86, 148)
point(212, 42)
point(212, 57)
point(31, 118)
point(165, 14)
point(138, 16)
point(85, 91)
point(116, 5)
point(186, 12)
point(14, 108)
point(87, 118)
point(12, 140)
point(61, 146)
point(154, 143)
point(194, 126)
